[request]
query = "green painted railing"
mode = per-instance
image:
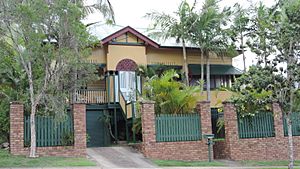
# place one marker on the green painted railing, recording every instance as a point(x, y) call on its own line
point(295, 117)
point(259, 126)
point(178, 127)
point(49, 131)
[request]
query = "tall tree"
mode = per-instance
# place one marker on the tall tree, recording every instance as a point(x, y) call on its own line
point(259, 32)
point(178, 27)
point(282, 39)
point(211, 36)
point(287, 39)
point(240, 28)
point(49, 43)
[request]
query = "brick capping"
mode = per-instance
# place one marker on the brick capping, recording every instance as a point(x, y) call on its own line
point(227, 102)
point(271, 148)
point(147, 102)
point(17, 134)
point(15, 102)
point(183, 150)
point(203, 102)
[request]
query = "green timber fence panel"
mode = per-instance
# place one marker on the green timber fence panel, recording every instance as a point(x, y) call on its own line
point(259, 126)
point(295, 117)
point(178, 127)
point(49, 131)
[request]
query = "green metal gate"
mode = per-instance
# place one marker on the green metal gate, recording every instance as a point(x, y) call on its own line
point(97, 129)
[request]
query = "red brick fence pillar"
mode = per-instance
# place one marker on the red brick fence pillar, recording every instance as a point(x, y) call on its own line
point(79, 113)
point(148, 126)
point(203, 108)
point(16, 134)
point(231, 129)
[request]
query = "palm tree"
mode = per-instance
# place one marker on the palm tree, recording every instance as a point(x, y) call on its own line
point(104, 7)
point(211, 37)
point(178, 27)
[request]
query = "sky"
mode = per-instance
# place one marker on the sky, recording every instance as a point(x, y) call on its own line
point(132, 12)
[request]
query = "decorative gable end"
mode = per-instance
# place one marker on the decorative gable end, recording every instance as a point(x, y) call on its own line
point(128, 35)
point(127, 38)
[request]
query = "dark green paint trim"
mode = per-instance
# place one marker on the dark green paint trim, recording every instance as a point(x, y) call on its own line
point(108, 87)
point(96, 106)
point(165, 66)
point(126, 123)
point(102, 65)
point(114, 82)
point(133, 120)
point(195, 69)
point(116, 124)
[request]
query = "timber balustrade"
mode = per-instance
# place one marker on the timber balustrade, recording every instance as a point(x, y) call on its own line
point(90, 96)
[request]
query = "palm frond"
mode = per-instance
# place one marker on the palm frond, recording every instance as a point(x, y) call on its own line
point(104, 7)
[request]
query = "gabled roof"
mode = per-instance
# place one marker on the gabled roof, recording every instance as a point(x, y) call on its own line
point(147, 40)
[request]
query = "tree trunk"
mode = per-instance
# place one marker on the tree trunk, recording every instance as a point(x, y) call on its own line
point(243, 52)
point(186, 71)
point(202, 68)
point(208, 77)
point(32, 114)
point(33, 102)
point(266, 60)
point(290, 78)
point(290, 141)
point(33, 133)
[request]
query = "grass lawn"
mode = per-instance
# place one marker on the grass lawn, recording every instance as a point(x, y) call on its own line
point(268, 163)
point(7, 160)
point(175, 163)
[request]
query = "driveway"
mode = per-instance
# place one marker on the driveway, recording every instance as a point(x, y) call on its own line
point(119, 157)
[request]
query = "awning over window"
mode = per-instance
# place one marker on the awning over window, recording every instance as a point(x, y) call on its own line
point(195, 69)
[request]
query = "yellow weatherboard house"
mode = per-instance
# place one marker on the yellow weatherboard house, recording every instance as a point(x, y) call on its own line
point(118, 57)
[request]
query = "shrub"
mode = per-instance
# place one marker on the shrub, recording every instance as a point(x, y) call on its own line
point(67, 139)
point(171, 96)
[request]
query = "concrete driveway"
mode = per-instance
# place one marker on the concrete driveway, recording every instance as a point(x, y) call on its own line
point(119, 157)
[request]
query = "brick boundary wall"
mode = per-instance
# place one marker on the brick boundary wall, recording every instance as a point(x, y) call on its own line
point(262, 149)
point(220, 150)
point(17, 134)
point(184, 150)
